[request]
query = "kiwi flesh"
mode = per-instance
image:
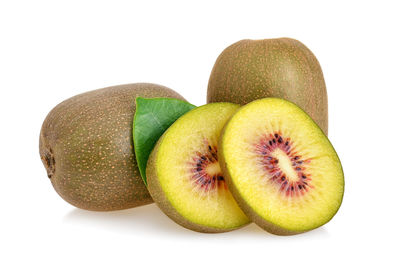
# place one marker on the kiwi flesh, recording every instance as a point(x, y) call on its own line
point(280, 167)
point(282, 68)
point(87, 149)
point(183, 173)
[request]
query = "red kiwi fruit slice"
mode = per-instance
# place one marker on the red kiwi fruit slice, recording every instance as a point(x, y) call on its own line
point(280, 167)
point(184, 177)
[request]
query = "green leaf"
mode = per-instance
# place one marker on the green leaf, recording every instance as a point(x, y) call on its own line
point(152, 118)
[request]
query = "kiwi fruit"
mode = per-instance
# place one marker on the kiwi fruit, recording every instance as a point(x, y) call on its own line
point(280, 167)
point(87, 149)
point(184, 177)
point(282, 68)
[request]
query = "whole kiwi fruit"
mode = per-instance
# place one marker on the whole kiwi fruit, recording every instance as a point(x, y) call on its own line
point(86, 147)
point(283, 68)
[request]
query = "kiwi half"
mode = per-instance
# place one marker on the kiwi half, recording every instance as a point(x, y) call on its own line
point(280, 167)
point(184, 177)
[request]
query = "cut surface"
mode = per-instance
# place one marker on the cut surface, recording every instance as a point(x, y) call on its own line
point(183, 171)
point(282, 169)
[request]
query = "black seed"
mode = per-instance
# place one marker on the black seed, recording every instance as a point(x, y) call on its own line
point(305, 183)
point(203, 157)
point(296, 157)
point(276, 135)
point(280, 140)
point(276, 161)
point(303, 176)
point(215, 156)
point(286, 143)
point(209, 147)
point(300, 186)
point(198, 164)
point(198, 169)
point(214, 178)
point(220, 178)
point(270, 143)
point(273, 140)
point(292, 188)
point(300, 162)
point(283, 178)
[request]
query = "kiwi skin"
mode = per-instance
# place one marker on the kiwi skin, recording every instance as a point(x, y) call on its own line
point(283, 68)
point(158, 195)
point(258, 220)
point(86, 147)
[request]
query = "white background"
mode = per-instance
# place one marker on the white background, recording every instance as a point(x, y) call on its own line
point(52, 50)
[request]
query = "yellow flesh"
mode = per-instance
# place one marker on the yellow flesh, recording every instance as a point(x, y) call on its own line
point(189, 134)
point(250, 178)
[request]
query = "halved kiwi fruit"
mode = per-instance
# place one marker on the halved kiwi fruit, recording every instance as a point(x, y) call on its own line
point(184, 177)
point(280, 167)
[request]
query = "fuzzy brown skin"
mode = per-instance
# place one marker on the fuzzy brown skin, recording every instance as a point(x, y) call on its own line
point(86, 147)
point(162, 201)
point(282, 68)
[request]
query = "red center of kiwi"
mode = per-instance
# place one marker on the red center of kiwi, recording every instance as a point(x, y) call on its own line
point(205, 170)
point(298, 181)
